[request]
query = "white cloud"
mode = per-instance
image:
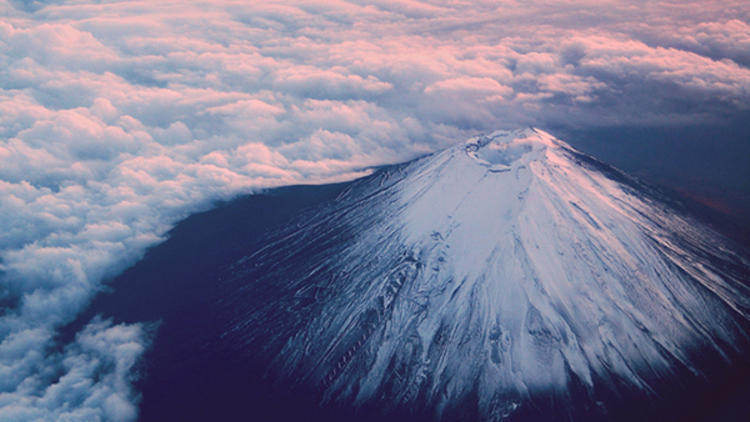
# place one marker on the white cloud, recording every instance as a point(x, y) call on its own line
point(118, 119)
point(90, 380)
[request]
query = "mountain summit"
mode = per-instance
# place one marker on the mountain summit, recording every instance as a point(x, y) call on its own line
point(507, 277)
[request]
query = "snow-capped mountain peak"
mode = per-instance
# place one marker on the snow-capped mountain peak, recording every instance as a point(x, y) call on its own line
point(499, 150)
point(502, 271)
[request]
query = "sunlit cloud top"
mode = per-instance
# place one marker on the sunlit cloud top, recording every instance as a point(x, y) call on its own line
point(119, 118)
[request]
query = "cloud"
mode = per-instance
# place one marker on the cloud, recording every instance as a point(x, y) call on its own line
point(89, 380)
point(117, 119)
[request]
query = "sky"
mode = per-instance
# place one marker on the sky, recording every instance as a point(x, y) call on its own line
point(119, 118)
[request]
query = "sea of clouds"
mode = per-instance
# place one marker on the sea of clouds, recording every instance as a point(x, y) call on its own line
point(119, 118)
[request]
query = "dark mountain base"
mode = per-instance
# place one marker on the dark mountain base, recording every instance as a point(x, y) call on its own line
point(191, 375)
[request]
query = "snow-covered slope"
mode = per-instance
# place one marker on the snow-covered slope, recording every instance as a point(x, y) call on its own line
point(506, 273)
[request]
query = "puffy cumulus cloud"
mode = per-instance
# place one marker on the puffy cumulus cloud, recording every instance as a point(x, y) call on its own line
point(119, 118)
point(90, 380)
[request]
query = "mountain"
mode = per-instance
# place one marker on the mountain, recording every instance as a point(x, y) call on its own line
point(509, 277)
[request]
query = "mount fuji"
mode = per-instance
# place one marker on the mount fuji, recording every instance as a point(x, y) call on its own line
point(509, 277)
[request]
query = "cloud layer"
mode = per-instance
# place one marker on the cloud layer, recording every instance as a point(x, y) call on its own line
point(118, 119)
